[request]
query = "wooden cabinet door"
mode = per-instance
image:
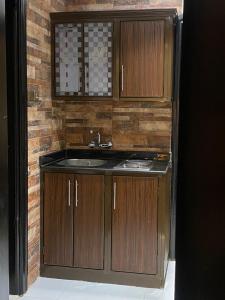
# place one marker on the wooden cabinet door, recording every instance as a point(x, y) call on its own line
point(58, 219)
point(134, 224)
point(142, 59)
point(89, 221)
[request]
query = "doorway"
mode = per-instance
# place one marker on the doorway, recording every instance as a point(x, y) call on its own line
point(18, 242)
point(4, 280)
point(183, 212)
point(15, 12)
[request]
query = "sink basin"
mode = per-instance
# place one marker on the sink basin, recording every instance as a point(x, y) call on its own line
point(82, 162)
point(137, 165)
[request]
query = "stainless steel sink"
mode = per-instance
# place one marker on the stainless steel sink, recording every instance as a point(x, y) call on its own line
point(82, 162)
point(136, 165)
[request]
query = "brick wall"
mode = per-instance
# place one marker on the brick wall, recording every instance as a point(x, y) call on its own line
point(45, 130)
point(56, 125)
point(131, 126)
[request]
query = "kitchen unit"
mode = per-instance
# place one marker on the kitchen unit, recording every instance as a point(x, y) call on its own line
point(103, 222)
point(105, 214)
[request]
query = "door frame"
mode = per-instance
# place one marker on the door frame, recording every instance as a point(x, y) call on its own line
point(4, 280)
point(200, 243)
point(175, 131)
point(17, 126)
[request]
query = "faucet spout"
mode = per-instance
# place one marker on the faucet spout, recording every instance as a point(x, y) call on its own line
point(99, 138)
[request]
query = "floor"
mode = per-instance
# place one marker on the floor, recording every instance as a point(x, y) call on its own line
point(56, 289)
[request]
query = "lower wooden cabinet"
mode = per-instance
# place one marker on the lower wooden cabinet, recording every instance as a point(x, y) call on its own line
point(134, 224)
point(58, 219)
point(106, 228)
point(74, 220)
point(89, 221)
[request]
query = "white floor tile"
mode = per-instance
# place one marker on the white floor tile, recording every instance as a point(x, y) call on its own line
point(56, 289)
point(104, 291)
point(47, 289)
point(168, 292)
point(30, 298)
point(23, 298)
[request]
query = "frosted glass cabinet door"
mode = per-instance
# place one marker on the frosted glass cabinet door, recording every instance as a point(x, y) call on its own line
point(68, 59)
point(98, 59)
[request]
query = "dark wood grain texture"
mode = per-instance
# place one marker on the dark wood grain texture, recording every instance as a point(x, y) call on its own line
point(107, 274)
point(89, 222)
point(164, 206)
point(116, 14)
point(142, 58)
point(58, 220)
point(134, 225)
point(102, 276)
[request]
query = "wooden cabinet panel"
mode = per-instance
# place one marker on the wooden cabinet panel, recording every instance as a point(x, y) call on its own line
point(58, 219)
point(142, 58)
point(134, 224)
point(89, 221)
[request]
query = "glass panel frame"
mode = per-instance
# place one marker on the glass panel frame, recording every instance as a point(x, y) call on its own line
point(98, 57)
point(69, 59)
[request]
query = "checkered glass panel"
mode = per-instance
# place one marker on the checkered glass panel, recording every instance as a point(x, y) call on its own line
point(68, 59)
point(98, 59)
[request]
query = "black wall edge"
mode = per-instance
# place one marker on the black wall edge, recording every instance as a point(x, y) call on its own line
point(4, 272)
point(200, 227)
point(175, 132)
point(17, 118)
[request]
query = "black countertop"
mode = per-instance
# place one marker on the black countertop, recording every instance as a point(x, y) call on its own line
point(50, 161)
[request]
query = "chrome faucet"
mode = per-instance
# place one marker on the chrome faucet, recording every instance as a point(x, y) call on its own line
point(96, 142)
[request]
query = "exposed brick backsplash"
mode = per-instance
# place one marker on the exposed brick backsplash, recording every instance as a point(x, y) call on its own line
point(129, 125)
point(54, 125)
point(45, 127)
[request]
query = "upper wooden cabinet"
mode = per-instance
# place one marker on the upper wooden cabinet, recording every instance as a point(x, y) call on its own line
point(125, 55)
point(142, 58)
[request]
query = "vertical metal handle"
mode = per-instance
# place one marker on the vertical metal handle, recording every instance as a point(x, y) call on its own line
point(76, 193)
point(122, 82)
point(86, 78)
point(114, 195)
point(69, 193)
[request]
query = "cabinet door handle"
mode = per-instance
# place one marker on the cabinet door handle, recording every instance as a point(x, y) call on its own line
point(69, 193)
point(122, 79)
point(76, 193)
point(114, 195)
